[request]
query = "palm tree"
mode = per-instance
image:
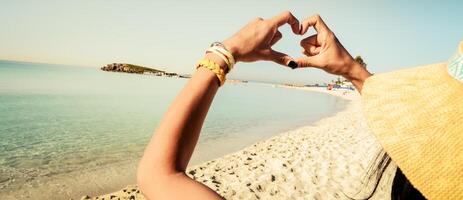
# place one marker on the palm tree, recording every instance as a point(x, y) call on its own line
point(360, 60)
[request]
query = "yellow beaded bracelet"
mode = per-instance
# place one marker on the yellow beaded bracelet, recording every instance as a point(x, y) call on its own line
point(214, 67)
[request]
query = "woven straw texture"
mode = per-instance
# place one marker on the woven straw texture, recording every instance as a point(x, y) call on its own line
point(417, 116)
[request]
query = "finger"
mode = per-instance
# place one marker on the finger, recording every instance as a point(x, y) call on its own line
point(287, 18)
point(311, 40)
point(312, 51)
point(316, 21)
point(305, 52)
point(310, 45)
point(276, 38)
point(309, 61)
point(278, 57)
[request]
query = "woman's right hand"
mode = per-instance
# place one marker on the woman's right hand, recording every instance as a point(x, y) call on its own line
point(254, 41)
point(324, 51)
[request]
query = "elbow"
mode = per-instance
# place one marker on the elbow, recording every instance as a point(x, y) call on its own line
point(145, 187)
point(146, 177)
point(152, 179)
point(142, 180)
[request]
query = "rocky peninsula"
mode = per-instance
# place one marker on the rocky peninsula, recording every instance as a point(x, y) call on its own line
point(136, 69)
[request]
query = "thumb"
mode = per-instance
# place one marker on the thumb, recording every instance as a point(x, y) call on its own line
point(281, 58)
point(309, 61)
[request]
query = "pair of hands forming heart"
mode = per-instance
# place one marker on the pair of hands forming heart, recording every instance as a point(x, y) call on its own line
point(322, 50)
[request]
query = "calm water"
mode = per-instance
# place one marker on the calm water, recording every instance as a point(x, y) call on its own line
point(76, 129)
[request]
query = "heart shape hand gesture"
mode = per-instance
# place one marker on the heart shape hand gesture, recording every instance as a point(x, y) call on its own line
point(322, 50)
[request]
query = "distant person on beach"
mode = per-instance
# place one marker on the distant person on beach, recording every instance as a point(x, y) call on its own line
point(416, 114)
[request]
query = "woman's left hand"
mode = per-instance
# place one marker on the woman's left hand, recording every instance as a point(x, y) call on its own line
point(254, 41)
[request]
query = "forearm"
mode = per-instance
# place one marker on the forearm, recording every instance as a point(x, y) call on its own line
point(173, 143)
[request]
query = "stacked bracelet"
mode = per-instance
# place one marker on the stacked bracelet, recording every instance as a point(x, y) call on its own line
point(220, 50)
point(214, 67)
point(217, 51)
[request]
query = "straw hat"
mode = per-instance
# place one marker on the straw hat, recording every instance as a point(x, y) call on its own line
point(417, 116)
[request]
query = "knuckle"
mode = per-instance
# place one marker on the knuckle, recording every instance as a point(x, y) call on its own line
point(280, 60)
point(267, 25)
point(330, 35)
point(258, 19)
point(286, 13)
point(306, 53)
point(307, 19)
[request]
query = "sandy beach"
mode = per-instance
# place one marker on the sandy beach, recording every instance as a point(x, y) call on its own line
point(326, 160)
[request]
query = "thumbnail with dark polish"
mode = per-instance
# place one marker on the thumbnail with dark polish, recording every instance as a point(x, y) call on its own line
point(292, 64)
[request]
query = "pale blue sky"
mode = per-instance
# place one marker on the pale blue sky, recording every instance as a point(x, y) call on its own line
point(173, 35)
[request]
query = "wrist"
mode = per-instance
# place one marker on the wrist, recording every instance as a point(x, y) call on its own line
point(357, 74)
point(232, 47)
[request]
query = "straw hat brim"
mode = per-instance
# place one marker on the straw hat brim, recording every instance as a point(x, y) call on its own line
point(417, 116)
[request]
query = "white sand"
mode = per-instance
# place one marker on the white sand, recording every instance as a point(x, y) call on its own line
point(327, 160)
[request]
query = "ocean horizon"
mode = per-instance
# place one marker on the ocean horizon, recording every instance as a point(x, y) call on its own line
point(64, 125)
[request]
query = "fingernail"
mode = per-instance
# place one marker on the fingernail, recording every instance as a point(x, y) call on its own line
point(292, 64)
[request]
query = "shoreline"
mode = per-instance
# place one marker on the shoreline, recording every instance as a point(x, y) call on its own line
point(63, 185)
point(350, 95)
point(295, 163)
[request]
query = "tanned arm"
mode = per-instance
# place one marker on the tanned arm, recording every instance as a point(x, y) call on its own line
point(161, 172)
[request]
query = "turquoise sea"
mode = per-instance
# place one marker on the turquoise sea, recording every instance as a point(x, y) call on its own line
point(67, 131)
